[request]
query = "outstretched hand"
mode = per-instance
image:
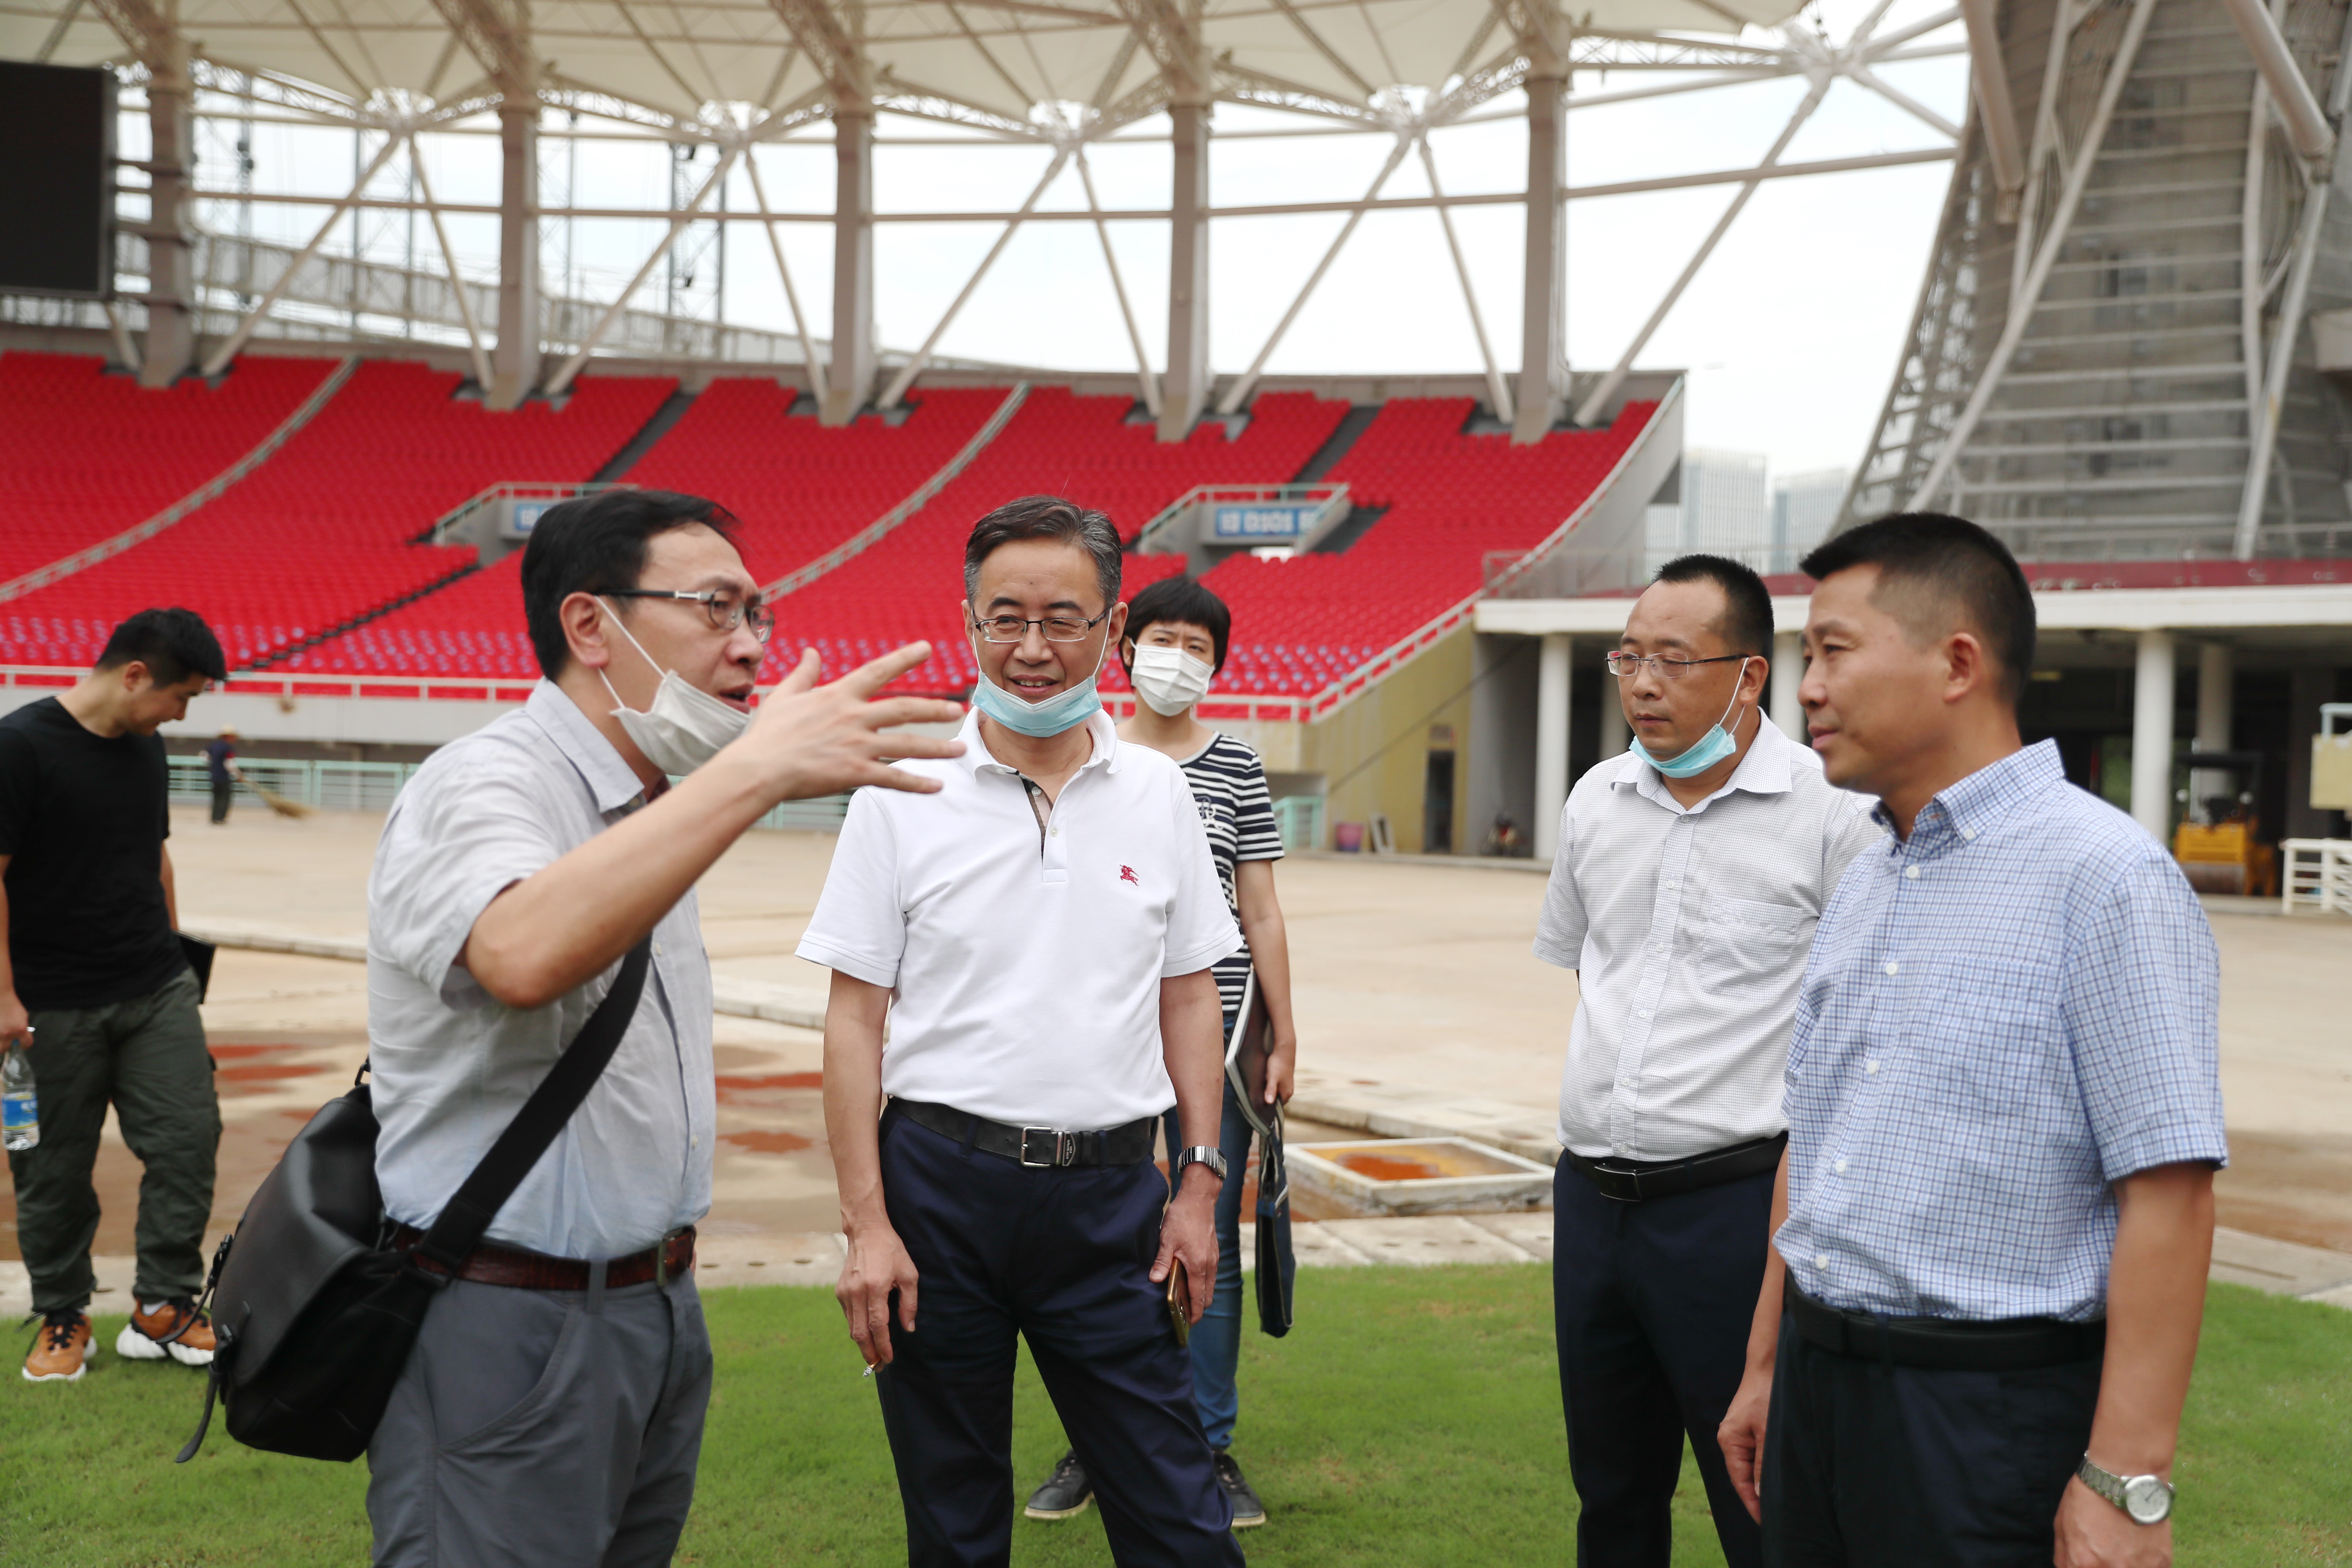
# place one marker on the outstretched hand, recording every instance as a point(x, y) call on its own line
point(808, 739)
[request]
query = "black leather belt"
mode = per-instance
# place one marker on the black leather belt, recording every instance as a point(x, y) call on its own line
point(1945, 1344)
point(1631, 1181)
point(1039, 1148)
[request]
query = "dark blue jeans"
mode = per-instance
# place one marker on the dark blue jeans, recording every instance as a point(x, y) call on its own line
point(1216, 1343)
point(1060, 1258)
point(1652, 1302)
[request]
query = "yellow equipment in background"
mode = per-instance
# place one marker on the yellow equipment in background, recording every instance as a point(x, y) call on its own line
point(2217, 843)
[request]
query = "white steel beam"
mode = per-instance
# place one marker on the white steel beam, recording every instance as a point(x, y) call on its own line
point(914, 367)
point(1146, 382)
point(850, 377)
point(677, 224)
point(2028, 295)
point(812, 360)
point(1497, 391)
point(1593, 406)
point(219, 358)
point(2279, 360)
point(1996, 109)
point(2298, 107)
point(1238, 393)
point(482, 377)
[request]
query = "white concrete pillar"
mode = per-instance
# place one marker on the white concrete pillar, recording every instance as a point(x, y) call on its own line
point(1615, 733)
point(514, 362)
point(1788, 674)
point(1185, 389)
point(2216, 671)
point(2151, 775)
point(1542, 391)
point(849, 379)
point(172, 304)
point(1553, 691)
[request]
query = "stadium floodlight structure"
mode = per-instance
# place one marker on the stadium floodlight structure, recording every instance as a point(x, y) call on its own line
point(2111, 356)
point(742, 75)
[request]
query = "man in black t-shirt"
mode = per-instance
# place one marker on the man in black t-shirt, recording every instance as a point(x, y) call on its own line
point(93, 980)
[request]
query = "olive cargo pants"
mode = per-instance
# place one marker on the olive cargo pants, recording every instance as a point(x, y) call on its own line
point(147, 1057)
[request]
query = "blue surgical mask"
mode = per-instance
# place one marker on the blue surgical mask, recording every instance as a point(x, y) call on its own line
point(1711, 748)
point(1063, 710)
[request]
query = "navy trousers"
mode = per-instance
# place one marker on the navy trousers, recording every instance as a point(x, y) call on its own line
point(1652, 1302)
point(1876, 1465)
point(1061, 1258)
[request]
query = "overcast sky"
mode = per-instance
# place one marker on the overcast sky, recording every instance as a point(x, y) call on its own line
point(1789, 334)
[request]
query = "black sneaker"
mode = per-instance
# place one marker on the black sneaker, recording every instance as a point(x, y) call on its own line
point(1066, 1492)
point(1248, 1512)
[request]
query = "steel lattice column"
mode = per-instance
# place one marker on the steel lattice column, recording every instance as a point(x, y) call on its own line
point(1543, 344)
point(514, 364)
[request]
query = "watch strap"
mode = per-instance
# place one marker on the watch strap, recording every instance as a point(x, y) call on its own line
point(1200, 1155)
point(2116, 1488)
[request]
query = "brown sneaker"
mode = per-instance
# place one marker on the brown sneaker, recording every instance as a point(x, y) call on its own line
point(172, 1328)
point(61, 1349)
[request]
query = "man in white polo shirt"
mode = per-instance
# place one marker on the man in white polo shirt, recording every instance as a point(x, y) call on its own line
point(1691, 871)
point(1039, 937)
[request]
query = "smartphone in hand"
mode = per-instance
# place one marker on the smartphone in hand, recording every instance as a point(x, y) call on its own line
point(1180, 1302)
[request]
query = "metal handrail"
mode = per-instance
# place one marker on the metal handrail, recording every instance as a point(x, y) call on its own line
point(1329, 492)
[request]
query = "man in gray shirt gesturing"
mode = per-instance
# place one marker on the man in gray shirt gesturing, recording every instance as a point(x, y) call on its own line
point(551, 1410)
point(1690, 872)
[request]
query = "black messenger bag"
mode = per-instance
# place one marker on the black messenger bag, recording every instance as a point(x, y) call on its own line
point(313, 1316)
point(1277, 1265)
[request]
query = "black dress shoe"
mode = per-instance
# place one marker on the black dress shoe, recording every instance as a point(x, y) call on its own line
point(1066, 1492)
point(1248, 1512)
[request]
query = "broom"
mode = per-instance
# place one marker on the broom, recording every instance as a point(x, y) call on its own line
point(276, 802)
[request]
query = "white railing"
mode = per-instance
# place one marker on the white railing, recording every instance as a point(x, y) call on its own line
point(447, 525)
point(209, 491)
point(1298, 819)
point(2315, 873)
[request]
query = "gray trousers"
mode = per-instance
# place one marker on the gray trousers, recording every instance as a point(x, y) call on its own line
point(146, 1057)
point(555, 1427)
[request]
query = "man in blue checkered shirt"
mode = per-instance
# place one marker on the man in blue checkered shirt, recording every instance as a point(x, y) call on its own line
point(2005, 1113)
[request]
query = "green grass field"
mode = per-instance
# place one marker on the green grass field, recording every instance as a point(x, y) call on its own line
point(1412, 1419)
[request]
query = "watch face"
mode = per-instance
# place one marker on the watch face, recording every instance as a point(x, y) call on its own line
point(2147, 1500)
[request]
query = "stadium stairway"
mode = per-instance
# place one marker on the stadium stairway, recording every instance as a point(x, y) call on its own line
point(798, 490)
point(91, 462)
point(319, 536)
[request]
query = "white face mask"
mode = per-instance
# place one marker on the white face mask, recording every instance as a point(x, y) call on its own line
point(1169, 678)
point(685, 726)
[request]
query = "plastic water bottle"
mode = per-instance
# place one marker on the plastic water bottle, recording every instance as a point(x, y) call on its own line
point(20, 1116)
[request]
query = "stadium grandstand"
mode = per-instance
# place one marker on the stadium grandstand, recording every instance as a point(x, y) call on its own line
point(2131, 355)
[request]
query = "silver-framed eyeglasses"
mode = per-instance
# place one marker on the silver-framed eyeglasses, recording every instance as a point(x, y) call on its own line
point(1057, 629)
point(726, 608)
point(1625, 666)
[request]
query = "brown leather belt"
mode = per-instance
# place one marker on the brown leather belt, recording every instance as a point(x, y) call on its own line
point(524, 1270)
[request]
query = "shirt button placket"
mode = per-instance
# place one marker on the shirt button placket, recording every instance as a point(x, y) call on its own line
point(1657, 960)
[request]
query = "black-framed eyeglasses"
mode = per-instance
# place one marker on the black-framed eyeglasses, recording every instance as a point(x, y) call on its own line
point(1625, 666)
point(727, 610)
point(1057, 629)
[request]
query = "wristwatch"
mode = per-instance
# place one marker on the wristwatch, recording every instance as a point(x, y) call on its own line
point(2147, 1499)
point(1199, 1154)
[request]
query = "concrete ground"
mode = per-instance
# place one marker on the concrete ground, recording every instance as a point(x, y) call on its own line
point(1421, 1010)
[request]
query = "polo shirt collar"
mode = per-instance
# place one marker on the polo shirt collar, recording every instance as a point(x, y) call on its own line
point(977, 757)
point(1763, 769)
point(610, 780)
point(1964, 811)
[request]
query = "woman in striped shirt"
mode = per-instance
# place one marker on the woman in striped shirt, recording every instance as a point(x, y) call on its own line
point(1177, 635)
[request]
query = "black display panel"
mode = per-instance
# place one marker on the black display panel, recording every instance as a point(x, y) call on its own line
point(56, 180)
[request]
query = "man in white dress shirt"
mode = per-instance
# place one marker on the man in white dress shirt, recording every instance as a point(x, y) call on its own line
point(551, 1410)
point(1690, 873)
point(1038, 936)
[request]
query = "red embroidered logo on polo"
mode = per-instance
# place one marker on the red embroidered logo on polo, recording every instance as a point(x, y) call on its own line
point(1127, 874)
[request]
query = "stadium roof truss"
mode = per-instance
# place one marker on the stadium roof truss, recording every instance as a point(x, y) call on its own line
point(1066, 74)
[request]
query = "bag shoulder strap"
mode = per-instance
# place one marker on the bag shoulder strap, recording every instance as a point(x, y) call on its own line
point(459, 1228)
